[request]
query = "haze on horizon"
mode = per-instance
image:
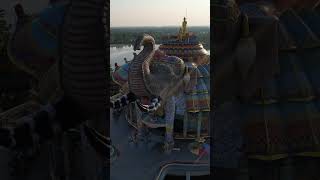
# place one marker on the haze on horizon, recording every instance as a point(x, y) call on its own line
point(159, 13)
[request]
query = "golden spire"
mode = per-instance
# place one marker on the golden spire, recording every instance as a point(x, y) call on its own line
point(183, 32)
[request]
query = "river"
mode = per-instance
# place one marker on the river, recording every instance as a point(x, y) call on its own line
point(119, 52)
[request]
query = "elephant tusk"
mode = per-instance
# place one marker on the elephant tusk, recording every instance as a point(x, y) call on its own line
point(155, 104)
point(122, 101)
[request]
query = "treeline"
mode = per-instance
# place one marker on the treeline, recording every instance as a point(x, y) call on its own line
point(127, 35)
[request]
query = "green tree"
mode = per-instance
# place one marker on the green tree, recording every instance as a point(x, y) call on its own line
point(123, 35)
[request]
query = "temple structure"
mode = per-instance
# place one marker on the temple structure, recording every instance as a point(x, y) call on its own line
point(184, 45)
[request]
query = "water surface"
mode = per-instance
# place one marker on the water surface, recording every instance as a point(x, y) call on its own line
point(118, 52)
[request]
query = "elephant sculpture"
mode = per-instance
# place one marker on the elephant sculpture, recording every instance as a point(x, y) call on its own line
point(178, 84)
point(164, 100)
point(146, 78)
point(143, 73)
point(273, 110)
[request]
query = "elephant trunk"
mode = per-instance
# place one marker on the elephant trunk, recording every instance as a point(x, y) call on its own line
point(139, 70)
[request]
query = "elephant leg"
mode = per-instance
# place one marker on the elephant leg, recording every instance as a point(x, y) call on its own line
point(185, 124)
point(139, 120)
point(199, 121)
point(169, 116)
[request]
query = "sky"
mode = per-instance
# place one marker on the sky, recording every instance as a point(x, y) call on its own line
point(136, 12)
point(159, 12)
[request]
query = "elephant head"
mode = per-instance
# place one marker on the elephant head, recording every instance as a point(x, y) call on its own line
point(152, 74)
point(202, 59)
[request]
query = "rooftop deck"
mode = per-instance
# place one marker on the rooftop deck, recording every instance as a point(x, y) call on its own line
point(145, 160)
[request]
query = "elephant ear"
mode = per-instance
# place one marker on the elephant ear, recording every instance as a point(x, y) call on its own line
point(245, 50)
point(168, 73)
point(193, 74)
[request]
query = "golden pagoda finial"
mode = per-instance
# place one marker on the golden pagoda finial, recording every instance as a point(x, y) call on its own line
point(184, 25)
point(183, 32)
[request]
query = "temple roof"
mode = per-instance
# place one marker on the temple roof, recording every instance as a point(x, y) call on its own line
point(184, 44)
